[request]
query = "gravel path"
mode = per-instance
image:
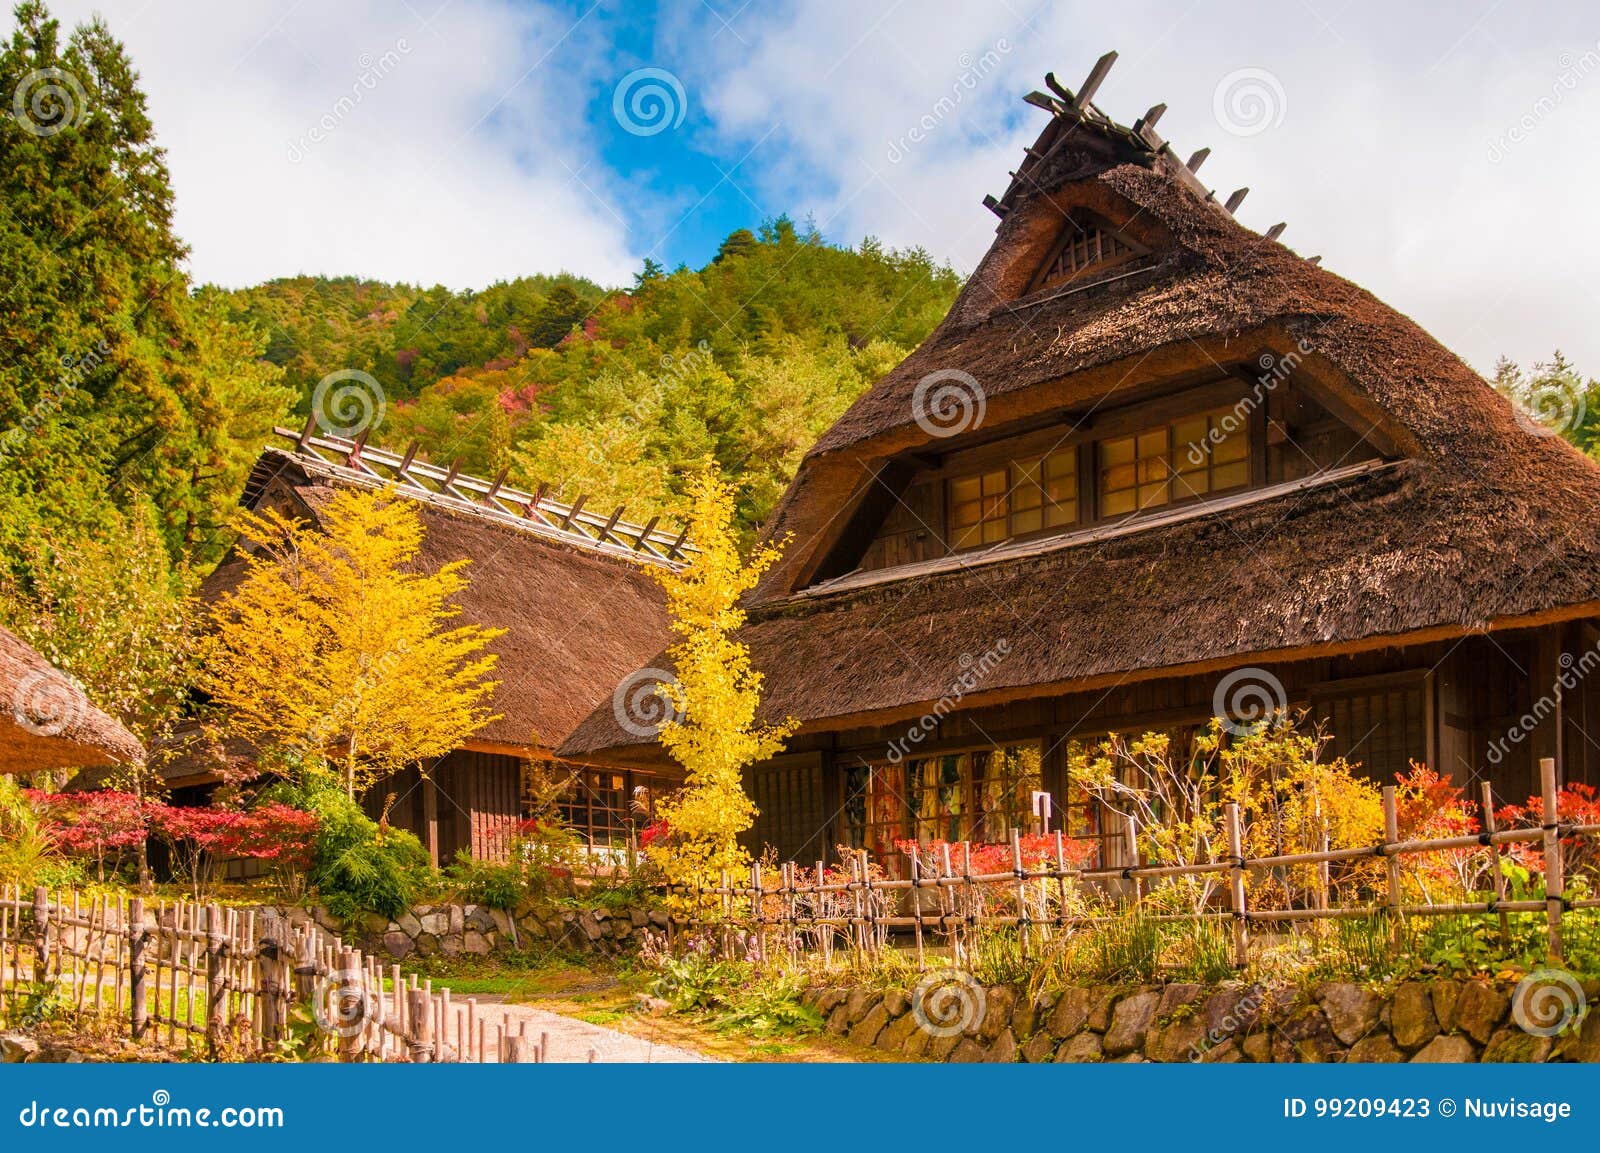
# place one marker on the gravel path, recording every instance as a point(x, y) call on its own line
point(571, 1040)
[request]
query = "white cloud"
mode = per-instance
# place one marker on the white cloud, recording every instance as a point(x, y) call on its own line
point(1380, 163)
point(374, 139)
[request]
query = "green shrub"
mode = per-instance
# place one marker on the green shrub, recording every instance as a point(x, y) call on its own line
point(357, 867)
point(499, 885)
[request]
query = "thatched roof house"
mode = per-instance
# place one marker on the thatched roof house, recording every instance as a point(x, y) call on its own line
point(46, 722)
point(572, 591)
point(1151, 458)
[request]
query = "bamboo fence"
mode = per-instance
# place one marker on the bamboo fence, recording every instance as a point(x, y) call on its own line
point(862, 910)
point(230, 983)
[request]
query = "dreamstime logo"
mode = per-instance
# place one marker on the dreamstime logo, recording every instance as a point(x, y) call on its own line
point(1249, 101)
point(1275, 370)
point(373, 71)
point(348, 402)
point(1574, 671)
point(1574, 70)
point(1550, 407)
point(948, 402)
point(644, 703)
point(948, 1002)
point(1246, 697)
point(972, 72)
point(47, 702)
point(1548, 1001)
point(48, 100)
point(342, 1003)
point(974, 670)
point(648, 101)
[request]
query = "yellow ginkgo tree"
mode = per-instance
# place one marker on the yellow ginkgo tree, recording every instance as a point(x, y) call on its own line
point(336, 647)
point(715, 693)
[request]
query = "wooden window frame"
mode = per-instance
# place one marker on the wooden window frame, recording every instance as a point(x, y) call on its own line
point(1214, 398)
point(1081, 222)
point(1020, 469)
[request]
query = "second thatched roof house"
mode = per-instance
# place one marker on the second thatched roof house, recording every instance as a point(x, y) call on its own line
point(580, 610)
point(1154, 468)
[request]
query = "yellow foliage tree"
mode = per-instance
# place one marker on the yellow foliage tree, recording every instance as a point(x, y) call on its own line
point(1291, 800)
point(335, 646)
point(715, 692)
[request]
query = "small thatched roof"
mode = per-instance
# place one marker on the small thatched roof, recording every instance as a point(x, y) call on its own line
point(46, 722)
point(578, 616)
point(1475, 521)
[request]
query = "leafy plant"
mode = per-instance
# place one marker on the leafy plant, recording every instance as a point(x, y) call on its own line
point(356, 866)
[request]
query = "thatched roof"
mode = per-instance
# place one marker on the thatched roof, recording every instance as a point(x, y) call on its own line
point(578, 617)
point(46, 722)
point(1478, 522)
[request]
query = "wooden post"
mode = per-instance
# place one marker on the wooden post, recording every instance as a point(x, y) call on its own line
point(1022, 890)
point(350, 989)
point(41, 935)
point(916, 902)
point(1241, 932)
point(1554, 873)
point(137, 992)
point(1133, 863)
point(1391, 837)
point(519, 1051)
point(1496, 874)
point(216, 981)
point(420, 1036)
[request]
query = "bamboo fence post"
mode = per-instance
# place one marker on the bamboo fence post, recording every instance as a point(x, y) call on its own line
point(351, 1005)
point(1496, 876)
point(1391, 837)
point(758, 908)
point(916, 903)
point(69, 948)
point(1061, 879)
point(519, 1051)
point(216, 976)
point(420, 1036)
point(41, 935)
point(1554, 878)
point(1021, 874)
point(818, 904)
point(1133, 859)
point(871, 927)
point(1241, 932)
point(137, 994)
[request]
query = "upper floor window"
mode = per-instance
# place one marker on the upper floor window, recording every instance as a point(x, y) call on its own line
point(1014, 499)
point(1192, 457)
point(1086, 243)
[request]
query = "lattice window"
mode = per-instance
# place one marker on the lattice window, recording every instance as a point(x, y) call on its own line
point(1085, 244)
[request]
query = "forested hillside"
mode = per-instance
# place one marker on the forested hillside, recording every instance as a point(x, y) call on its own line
point(616, 393)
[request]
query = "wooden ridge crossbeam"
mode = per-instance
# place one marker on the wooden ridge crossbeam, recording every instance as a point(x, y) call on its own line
point(537, 513)
point(1073, 110)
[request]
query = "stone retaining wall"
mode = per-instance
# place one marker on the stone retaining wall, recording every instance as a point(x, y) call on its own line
point(1422, 1021)
point(478, 930)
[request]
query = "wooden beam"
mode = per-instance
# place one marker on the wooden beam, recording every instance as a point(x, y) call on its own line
point(1040, 100)
point(450, 477)
point(1097, 77)
point(1148, 120)
point(1313, 260)
point(1197, 160)
point(995, 206)
point(572, 511)
point(353, 457)
point(307, 431)
point(644, 533)
point(672, 553)
point(1276, 230)
point(1235, 199)
point(494, 487)
point(405, 462)
point(611, 524)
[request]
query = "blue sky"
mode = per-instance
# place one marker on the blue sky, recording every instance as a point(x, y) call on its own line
point(1442, 155)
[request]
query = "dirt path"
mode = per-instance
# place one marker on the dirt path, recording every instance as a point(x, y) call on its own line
point(571, 1040)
